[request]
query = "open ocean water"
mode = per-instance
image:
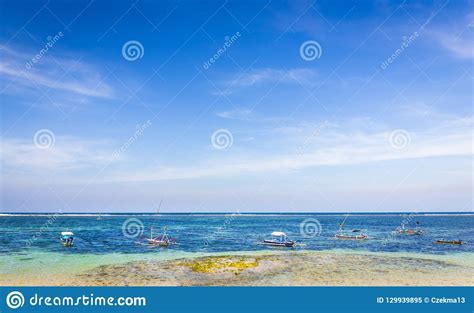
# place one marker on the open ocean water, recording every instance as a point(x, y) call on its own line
point(238, 232)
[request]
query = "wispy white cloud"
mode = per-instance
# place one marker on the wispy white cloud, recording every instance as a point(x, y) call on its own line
point(269, 75)
point(459, 40)
point(460, 46)
point(291, 149)
point(334, 148)
point(68, 153)
point(236, 114)
point(248, 114)
point(30, 79)
point(59, 74)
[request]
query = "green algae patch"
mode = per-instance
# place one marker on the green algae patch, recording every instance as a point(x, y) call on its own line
point(221, 264)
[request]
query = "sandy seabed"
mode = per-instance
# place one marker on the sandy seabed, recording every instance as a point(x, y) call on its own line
point(308, 268)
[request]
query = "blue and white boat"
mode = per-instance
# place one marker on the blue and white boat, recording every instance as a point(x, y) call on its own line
point(279, 239)
point(67, 238)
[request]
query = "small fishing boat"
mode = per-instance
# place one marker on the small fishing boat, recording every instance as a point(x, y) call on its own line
point(449, 242)
point(67, 238)
point(163, 240)
point(279, 239)
point(354, 234)
point(403, 231)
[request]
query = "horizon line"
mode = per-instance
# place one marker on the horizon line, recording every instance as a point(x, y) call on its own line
point(234, 212)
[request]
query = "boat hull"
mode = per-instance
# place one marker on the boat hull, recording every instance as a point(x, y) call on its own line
point(279, 244)
point(67, 244)
point(411, 232)
point(449, 242)
point(348, 237)
point(158, 243)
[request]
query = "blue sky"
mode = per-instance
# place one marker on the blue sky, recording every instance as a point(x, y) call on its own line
point(379, 119)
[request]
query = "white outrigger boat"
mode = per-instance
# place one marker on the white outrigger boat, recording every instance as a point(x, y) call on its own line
point(279, 239)
point(67, 238)
point(354, 234)
point(163, 240)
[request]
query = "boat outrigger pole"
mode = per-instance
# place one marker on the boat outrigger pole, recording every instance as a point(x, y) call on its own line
point(341, 226)
point(360, 233)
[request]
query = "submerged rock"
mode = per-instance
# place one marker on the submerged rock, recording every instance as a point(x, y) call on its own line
point(220, 264)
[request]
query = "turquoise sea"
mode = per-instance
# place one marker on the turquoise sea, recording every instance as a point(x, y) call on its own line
point(29, 242)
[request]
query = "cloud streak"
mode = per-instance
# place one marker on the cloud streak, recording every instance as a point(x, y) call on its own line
point(272, 75)
point(459, 41)
point(64, 75)
point(69, 153)
point(327, 144)
point(451, 139)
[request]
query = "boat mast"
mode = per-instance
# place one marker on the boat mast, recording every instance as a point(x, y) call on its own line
point(341, 226)
point(159, 207)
